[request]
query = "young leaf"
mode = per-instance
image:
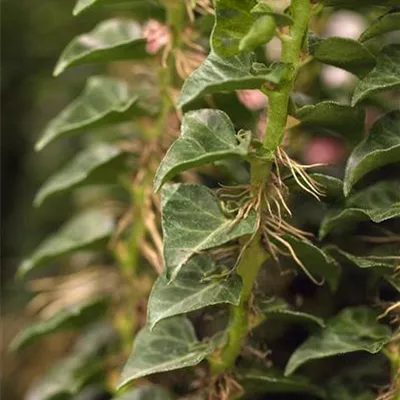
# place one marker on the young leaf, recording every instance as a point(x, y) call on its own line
point(343, 53)
point(72, 317)
point(335, 117)
point(377, 203)
point(380, 147)
point(200, 284)
point(91, 165)
point(85, 230)
point(218, 74)
point(103, 101)
point(260, 33)
point(386, 23)
point(385, 76)
point(233, 20)
point(114, 39)
point(193, 221)
point(147, 392)
point(171, 345)
point(280, 18)
point(206, 136)
point(353, 329)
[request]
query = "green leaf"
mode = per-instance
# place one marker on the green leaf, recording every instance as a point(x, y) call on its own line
point(361, 3)
point(72, 317)
point(206, 136)
point(200, 284)
point(69, 376)
point(111, 40)
point(386, 23)
point(193, 221)
point(385, 76)
point(277, 308)
point(92, 165)
point(340, 118)
point(353, 329)
point(260, 33)
point(377, 203)
point(343, 53)
point(103, 101)
point(218, 74)
point(280, 18)
point(171, 345)
point(86, 230)
point(318, 264)
point(272, 380)
point(233, 20)
point(380, 147)
point(148, 392)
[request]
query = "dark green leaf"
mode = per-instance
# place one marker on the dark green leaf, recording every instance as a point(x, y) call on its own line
point(227, 74)
point(233, 20)
point(200, 284)
point(340, 118)
point(92, 165)
point(385, 76)
point(72, 317)
point(171, 345)
point(377, 203)
point(386, 23)
point(272, 381)
point(85, 230)
point(380, 147)
point(69, 375)
point(353, 329)
point(148, 392)
point(206, 136)
point(114, 39)
point(343, 53)
point(103, 101)
point(193, 221)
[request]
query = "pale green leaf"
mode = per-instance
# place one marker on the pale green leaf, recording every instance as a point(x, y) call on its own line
point(171, 345)
point(343, 53)
point(385, 76)
point(353, 329)
point(377, 203)
point(193, 221)
point(206, 136)
point(340, 118)
point(104, 101)
point(146, 392)
point(92, 165)
point(114, 39)
point(87, 229)
point(380, 147)
point(280, 18)
point(218, 74)
point(200, 284)
point(71, 317)
point(233, 20)
point(386, 23)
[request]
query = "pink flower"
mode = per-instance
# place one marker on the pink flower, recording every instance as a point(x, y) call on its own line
point(324, 150)
point(253, 99)
point(157, 36)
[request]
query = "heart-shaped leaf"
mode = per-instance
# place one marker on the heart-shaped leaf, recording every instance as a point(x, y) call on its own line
point(147, 392)
point(200, 284)
point(233, 20)
point(386, 23)
point(380, 147)
point(193, 221)
point(206, 136)
point(103, 101)
point(353, 329)
point(86, 230)
point(92, 165)
point(335, 117)
point(385, 76)
point(171, 345)
point(343, 53)
point(72, 317)
point(114, 39)
point(218, 74)
point(377, 203)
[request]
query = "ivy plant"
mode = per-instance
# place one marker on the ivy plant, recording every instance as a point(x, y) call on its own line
point(271, 277)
